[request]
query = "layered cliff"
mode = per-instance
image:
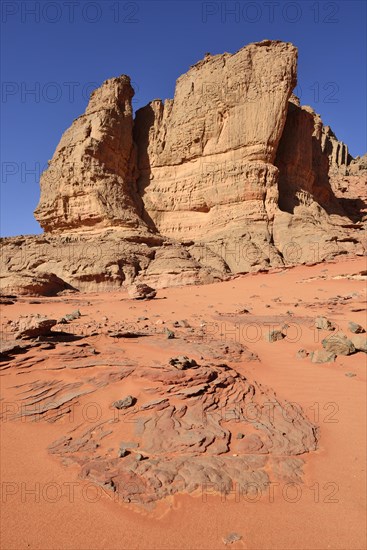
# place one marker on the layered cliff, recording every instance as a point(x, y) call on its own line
point(312, 221)
point(206, 157)
point(91, 179)
point(231, 175)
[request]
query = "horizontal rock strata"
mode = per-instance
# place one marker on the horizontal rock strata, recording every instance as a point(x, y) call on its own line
point(231, 175)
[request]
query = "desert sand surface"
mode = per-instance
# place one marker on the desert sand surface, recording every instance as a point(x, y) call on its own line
point(57, 416)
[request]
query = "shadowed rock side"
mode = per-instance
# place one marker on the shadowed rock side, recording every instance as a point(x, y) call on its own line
point(350, 187)
point(302, 162)
point(230, 176)
point(311, 221)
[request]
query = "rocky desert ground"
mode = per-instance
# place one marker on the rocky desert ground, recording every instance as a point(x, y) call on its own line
point(180, 415)
point(183, 350)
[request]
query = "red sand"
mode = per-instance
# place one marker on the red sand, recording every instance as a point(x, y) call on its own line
point(326, 510)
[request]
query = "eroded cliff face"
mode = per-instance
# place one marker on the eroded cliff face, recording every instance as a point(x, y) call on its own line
point(91, 179)
point(303, 168)
point(230, 176)
point(206, 157)
point(311, 222)
point(307, 155)
point(349, 183)
point(236, 165)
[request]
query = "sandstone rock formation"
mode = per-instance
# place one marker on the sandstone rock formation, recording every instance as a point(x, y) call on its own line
point(349, 184)
point(184, 432)
point(230, 176)
point(91, 260)
point(206, 157)
point(19, 280)
point(32, 326)
point(141, 292)
point(310, 216)
point(91, 177)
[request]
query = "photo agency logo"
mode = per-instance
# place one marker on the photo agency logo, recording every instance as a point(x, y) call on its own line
point(29, 172)
point(67, 249)
point(285, 328)
point(272, 492)
point(52, 92)
point(270, 12)
point(229, 93)
point(46, 92)
point(24, 172)
point(249, 254)
point(70, 12)
point(53, 492)
point(239, 415)
point(242, 415)
point(321, 92)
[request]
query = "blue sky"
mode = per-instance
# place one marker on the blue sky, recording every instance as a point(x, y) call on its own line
point(53, 53)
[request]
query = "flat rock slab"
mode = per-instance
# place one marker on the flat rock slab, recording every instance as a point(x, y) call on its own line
point(323, 356)
point(185, 438)
point(33, 326)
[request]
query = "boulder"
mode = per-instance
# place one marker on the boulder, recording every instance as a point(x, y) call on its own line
point(124, 403)
point(355, 328)
point(32, 326)
point(359, 342)
point(182, 362)
point(274, 336)
point(70, 317)
point(141, 291)
point(322, 323)
point(231, 538)
point(339, 344)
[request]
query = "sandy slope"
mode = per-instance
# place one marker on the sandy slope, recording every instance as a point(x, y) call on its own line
point(326, 509)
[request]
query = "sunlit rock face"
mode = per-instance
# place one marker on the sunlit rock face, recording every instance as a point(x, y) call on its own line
point(231, 175)
point(91, 179)
point(206, 157)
